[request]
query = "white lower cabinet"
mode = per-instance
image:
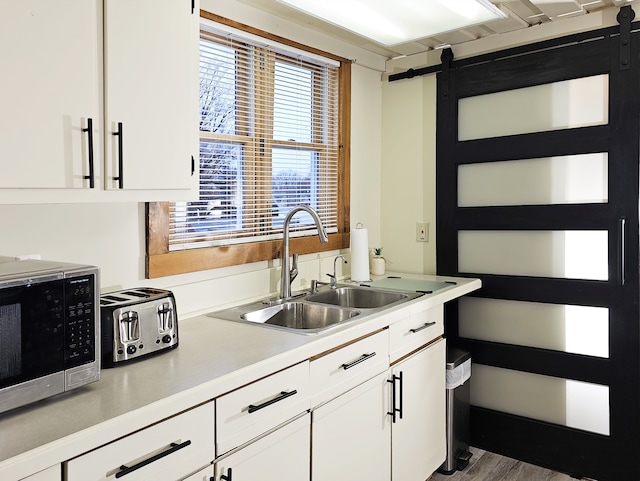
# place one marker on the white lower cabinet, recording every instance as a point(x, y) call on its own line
point(284, 454)
point(351, 435)
point(167, 451)
point(388, 424)
point(418, 443)
point(253, 410)
point(54, 473)
point(263, 429)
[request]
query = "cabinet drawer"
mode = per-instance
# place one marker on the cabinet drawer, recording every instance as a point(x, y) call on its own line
point(282, 455)
point(415, 331)
point(345, 368)
point(168, 450)
point(255, 409)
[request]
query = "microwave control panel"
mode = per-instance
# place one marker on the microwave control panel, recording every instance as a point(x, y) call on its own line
point(80, 333)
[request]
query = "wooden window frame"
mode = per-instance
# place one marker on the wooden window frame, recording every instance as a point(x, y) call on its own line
point(161, 262)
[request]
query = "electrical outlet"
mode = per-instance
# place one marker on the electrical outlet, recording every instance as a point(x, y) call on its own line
point(422, 232)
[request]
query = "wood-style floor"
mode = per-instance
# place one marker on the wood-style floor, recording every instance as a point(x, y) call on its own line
point(486, 466)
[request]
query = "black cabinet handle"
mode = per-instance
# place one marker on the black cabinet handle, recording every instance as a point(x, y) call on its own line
point(120, 176)
point(622, 227)
point(358, 361)
point(173, 447)
point(393, 411)
point(89, 131)
point(228, 476)
point(283, 395)
point(401, 393)
point(193, 165)
point(394, 408)
point(418, 329)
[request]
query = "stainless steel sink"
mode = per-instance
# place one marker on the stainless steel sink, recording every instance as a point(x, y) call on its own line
point(295, 316)
point(312, 313)
point(300, 315)
point(360, 297)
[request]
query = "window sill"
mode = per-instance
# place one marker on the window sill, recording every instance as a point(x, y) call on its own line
point(193, 260)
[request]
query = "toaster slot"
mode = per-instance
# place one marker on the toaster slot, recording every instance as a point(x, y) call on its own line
point(129, 326)
point(165, 317)
point(136, 294)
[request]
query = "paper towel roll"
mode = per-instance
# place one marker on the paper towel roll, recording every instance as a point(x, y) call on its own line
point(360, 254)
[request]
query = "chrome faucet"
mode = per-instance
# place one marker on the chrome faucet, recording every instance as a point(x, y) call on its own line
point(287, 275)
point(334, 277)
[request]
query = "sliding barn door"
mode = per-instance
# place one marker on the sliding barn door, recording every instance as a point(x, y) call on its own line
point(537, 188)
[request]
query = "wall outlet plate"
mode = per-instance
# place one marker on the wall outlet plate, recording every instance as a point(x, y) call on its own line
point(422, 232)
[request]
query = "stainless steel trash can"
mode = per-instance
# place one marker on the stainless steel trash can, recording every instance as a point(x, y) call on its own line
point(457, 416)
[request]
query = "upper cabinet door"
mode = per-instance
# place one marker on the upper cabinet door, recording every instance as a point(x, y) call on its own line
point(49, 89)
point(151, 93)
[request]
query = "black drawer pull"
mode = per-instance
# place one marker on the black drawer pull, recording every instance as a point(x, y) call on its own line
point(227, 477)
point(173, 447)
point(418, 329)
point(283, 395)
point(358, 361)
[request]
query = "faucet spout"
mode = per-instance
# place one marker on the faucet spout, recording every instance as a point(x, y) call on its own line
point(285, 275)
point(334, 277)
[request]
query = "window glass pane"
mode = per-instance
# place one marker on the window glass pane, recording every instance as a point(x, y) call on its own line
point(552, 180)
point(292, 103)
point(560, 105)
point(268, 132)
point(565, 402)
point(294, 183)
point(217, 88)
point(563, 254)
point(219, 207)
point(566, 328)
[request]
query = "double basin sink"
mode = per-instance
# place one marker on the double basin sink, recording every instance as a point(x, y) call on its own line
point(314, 312)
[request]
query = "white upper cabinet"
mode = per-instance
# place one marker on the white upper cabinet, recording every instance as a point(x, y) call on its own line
point(151, 93)
point(123, 66)
point(49, 89)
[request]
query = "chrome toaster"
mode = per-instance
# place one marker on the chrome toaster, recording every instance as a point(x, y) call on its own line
point(137, 322)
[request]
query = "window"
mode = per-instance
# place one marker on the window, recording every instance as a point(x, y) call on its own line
point(273, 124)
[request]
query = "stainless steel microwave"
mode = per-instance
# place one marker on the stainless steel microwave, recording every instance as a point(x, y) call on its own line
point(49, 329)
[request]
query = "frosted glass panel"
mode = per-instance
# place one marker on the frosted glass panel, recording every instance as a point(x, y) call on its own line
point(564, 254)
point(575, 329)
point(551, 180)
point(560, 105)
point(565, 402)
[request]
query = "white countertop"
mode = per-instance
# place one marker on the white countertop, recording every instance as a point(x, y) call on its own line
point(214, 356)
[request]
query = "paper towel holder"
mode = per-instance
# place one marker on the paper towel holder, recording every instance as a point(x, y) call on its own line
point(360, 254)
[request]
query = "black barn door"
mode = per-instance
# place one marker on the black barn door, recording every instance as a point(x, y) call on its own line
point(537, 188)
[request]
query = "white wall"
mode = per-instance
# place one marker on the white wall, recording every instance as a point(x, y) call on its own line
point(366, 145)
point(112, 236)
point(408, 170)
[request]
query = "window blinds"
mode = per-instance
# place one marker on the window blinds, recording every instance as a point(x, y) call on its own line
point(268, 142)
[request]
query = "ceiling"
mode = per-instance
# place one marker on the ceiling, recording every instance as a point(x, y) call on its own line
point(520, 14)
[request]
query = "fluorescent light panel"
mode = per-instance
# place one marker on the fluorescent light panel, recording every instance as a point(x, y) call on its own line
point(391, 22)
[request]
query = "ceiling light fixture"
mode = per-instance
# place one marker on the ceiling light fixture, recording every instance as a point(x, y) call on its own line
point(398, 21)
